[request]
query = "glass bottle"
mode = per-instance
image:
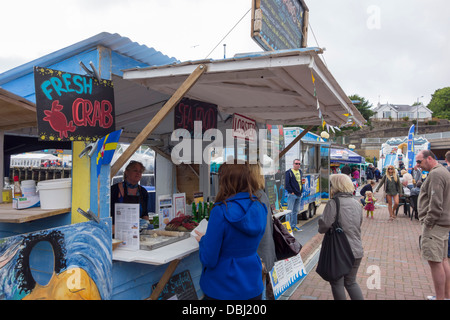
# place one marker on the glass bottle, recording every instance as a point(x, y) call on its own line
point(194, 211)
point(7, 191)
point(200, 211)
point(17, 189)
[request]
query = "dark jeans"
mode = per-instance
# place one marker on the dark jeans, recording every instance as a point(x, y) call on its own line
point(347, 282)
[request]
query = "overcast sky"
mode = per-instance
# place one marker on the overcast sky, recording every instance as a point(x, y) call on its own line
point(392, 51)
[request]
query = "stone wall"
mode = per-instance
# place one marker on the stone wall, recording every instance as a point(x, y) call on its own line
point(387, 129)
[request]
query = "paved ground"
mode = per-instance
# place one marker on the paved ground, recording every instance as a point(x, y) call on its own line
point(391, 250)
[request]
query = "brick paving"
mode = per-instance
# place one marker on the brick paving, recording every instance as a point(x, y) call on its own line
point(391, 250)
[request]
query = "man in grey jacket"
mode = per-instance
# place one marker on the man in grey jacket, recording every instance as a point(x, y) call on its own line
point(434, 213)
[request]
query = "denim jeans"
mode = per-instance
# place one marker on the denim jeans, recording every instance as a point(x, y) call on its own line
point(293, 203)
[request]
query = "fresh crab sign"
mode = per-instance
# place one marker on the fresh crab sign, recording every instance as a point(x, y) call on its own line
point(72, 107)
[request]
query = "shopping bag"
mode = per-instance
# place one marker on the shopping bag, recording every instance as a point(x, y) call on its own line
point(286, 246)
point(336, 257)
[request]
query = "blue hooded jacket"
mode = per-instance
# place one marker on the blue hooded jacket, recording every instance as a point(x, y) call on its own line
point(232, 269)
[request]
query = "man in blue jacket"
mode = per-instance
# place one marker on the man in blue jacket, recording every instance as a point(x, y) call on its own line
point(293, 185)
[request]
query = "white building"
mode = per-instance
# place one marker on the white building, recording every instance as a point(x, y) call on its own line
point(386, 112)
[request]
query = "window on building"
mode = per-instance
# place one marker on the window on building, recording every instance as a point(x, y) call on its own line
point(404, 114)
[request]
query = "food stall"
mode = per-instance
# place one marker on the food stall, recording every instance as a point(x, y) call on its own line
point(342, 156)
point(271, 88)
point(313, 153)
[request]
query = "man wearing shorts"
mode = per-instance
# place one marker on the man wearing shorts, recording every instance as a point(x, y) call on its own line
point(434, 214)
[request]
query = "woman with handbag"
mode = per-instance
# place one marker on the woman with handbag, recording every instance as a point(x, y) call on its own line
point(393, 190)
point(266, 249)
point(343, 215)
point(232, 269)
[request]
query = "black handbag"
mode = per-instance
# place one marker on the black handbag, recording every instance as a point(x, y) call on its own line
point(286, 246)
point(336, 257)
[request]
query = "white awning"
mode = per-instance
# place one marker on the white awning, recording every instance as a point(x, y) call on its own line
point(269, 87)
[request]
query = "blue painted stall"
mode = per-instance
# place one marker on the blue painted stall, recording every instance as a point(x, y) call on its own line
point(110, 54)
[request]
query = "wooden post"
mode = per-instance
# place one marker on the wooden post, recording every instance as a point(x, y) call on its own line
point(164, 279)
point(165, 110)
point(297, 139)
point(305, 29)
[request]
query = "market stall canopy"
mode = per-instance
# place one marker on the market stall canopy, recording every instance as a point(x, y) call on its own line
point(16, 112)
point(269, 87)
point(110, 53)
point(345, 156)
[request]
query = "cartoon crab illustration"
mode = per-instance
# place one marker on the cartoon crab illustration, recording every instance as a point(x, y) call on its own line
point(58, 120)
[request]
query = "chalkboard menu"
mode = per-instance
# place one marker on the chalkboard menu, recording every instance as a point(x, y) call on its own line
point(72, 107)
point(188, 111)
point(179, 287)
point(280, 24)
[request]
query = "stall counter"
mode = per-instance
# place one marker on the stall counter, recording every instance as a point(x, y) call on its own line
point(160, 256)
point(10, 215)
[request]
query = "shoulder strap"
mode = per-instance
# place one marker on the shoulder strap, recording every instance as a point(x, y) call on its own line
point(121, 189)
point(336, 199)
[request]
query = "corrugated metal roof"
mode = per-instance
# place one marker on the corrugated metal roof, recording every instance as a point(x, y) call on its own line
point(115, 42)
point(19, 108)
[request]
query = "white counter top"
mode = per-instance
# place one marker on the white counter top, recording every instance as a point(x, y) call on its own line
point(158, 256)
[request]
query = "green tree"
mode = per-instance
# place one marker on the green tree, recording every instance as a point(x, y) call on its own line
point(363, 105)
point(440, 103)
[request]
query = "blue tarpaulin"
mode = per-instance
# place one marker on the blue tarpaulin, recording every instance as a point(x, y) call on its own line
point(345, 156)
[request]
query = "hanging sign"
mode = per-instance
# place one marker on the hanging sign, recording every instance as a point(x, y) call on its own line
point(244, 128)
point(188, 111)
point(280, 24)
point(72, 107)
point(286, 273)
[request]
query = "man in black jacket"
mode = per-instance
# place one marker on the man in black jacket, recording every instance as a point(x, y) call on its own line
point(293, 185)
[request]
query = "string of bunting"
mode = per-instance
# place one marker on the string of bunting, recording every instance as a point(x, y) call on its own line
point(324, 123)
point(350, 121)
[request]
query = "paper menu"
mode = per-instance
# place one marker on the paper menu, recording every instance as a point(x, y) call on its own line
point(126, 225)
point(165, 210)
point(179, 204)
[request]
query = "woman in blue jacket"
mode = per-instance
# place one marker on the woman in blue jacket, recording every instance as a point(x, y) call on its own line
point(232, 269)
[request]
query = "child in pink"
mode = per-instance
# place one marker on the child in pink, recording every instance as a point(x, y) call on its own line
point(370, 203)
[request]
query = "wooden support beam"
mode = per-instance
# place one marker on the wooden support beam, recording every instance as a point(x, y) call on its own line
point(165, 110)
point(297, 139)
point(164, 279)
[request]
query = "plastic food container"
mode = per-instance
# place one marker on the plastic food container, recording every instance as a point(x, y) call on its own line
point(55, 194)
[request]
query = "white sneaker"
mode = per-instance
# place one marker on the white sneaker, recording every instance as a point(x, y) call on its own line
point(433, 298)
